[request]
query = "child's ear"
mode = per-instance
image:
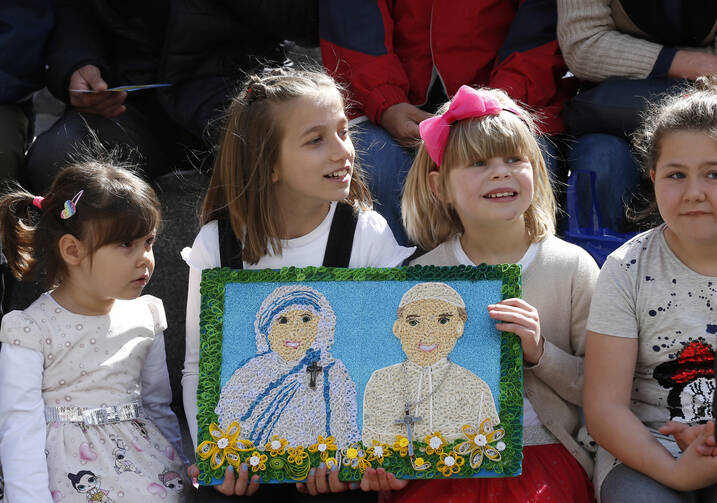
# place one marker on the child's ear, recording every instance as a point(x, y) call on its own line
point(652, 175)
point(72, 251)
point(274, 174)
point(434, 182)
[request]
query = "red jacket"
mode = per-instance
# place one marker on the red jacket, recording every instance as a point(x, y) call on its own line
point(385, 51)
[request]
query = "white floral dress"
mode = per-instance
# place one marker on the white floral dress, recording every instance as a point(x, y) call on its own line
point(101, 361)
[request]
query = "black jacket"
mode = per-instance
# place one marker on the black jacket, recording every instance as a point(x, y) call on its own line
point(203, 47)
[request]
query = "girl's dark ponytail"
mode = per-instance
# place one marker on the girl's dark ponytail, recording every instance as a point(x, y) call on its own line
point(18, 219)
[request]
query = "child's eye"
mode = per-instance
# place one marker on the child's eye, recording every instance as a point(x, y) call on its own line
point(343, 133)
point(126, 244)
point(306, 318)
point(150, 241)
point(283, 320)
point(314, 141)
point(514, 159)
point(412, 322)
point(443, 320)
point(479, 163)
point(712, 175)
point(676, 175)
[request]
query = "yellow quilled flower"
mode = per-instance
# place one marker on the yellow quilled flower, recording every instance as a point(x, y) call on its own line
point(450, 463)
point(354, 456)
point(297, 454)
point(224, 446)
point(419, 464)
point(257, 461)
point(479, 443)
point(276, 445)
point(323, 446)
point(401, 445)
point(434, 443)
point(331, 462)
point(378, 452)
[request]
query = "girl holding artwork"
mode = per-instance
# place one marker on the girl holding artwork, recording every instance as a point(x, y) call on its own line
point(314, 395)
point(479, 173)
point(285, 191)
point(649, 379)
point(83, 377)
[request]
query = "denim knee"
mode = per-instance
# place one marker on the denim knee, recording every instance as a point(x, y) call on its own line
point(616, 177)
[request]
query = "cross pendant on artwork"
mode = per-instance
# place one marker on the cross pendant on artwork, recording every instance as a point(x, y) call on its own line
point(313, 369)
point(409, 421)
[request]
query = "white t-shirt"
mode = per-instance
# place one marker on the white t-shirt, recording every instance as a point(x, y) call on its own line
point(645, 292)
point(373, 246)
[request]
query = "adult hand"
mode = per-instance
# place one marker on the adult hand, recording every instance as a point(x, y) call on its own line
point(685, 435)
point(521, 319)
point(378, 479)
point(692, 64)
point(99, 101)
point(318, 483)
point(401, 120)
point(239, 485)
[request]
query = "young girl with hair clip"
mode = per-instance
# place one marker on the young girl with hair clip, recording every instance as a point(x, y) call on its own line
point(479, 192)
point(649, 378)
point(285, 191)
point(84, 387)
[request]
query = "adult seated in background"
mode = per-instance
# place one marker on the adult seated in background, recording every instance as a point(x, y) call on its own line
point(635, 53)
point(201, 48)
point(24, 28)
point(401, 59)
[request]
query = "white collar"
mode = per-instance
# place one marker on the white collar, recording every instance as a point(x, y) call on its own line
point(418, 369)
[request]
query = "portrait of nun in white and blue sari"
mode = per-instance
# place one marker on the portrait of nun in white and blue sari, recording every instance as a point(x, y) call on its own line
point(293, 387)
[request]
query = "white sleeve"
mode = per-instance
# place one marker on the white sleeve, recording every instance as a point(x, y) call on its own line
point(157, 395)
point(374, 244)
point(22, 426)
point(204, 254)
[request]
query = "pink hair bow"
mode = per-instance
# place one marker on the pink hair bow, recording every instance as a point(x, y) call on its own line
point(467, 103)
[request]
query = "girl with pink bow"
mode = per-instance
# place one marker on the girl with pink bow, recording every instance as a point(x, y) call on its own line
point(479, 192)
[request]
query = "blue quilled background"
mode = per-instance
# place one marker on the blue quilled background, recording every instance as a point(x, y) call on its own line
point(363, 339)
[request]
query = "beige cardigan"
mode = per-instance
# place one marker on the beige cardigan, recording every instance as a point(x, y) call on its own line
point(559, 284)
point(598, 41)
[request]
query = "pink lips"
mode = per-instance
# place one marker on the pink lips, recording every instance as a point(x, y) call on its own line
point(141, 281)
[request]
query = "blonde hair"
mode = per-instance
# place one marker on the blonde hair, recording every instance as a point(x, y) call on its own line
point(249, 149)
point(430, 221)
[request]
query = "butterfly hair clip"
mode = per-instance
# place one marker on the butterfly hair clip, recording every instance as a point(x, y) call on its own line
point(70, 206)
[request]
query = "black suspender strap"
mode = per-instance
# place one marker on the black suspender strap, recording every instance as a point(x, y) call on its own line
point(338, 247)
point(230, 248)
point(341, 236)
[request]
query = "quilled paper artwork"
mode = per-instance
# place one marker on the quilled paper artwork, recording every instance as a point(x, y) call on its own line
point(356, 368)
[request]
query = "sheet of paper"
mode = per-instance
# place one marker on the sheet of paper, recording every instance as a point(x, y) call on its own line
point(127, 88)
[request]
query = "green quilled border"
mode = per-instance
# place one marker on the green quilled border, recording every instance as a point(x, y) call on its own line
point(278, 469)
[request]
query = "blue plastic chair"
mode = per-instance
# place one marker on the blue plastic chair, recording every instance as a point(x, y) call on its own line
point(597, 240)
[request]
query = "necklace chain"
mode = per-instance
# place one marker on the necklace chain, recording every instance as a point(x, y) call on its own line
point(410, 405)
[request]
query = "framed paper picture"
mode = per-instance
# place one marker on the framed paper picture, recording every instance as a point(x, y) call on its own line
point(396, 368)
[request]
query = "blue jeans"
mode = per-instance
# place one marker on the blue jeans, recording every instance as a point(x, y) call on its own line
point(617, 175)
point(386, 165)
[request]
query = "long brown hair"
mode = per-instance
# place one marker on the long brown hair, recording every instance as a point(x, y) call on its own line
point(249, 149)
point(115, 206)
point(429, 221)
